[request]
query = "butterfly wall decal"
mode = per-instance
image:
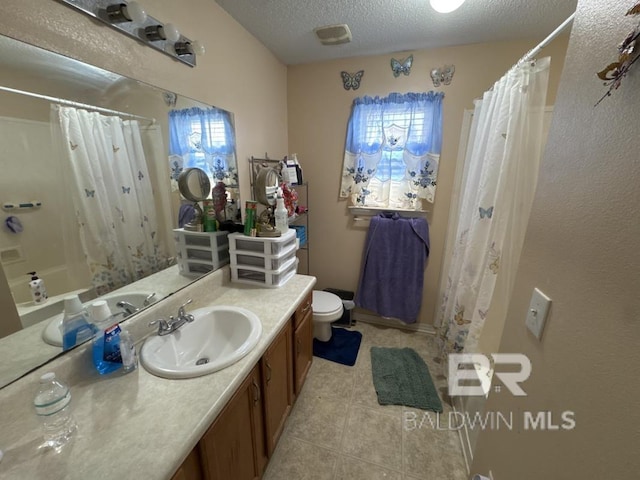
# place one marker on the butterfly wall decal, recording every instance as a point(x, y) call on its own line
point(73, 145)
point(89, 193)
point(486, 212)
point(115, 149)
point(140, 175)
point(482, 313)
point(126, 189)
point(402, 66)
point(442, 75)
point(351, 81)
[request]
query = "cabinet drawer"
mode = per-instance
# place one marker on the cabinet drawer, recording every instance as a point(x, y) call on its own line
point(304, 307)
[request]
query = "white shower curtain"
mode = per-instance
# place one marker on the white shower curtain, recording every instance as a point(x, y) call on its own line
point(113, 198)
point(501, 170)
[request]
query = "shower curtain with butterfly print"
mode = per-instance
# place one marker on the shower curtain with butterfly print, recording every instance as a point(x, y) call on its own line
point(392, 150)
point(499, 181)
point(112, 196)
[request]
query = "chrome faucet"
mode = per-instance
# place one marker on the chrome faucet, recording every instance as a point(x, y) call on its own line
point(147, 300)
point(166, 327)
point(129, 308)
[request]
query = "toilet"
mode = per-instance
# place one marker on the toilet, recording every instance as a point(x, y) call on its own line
point(327, 308)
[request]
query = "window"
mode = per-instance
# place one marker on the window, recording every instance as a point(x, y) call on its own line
point(392, 150)
point(204, 139)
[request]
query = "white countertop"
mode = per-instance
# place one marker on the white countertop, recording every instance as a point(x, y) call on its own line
point(138, 425)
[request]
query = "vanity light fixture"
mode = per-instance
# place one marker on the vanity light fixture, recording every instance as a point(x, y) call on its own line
point(130, 18)
point(168, 31)
point(126, 12)
point(189, 48)
point(446, 6)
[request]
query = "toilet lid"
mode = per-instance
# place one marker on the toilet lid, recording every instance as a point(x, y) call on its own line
point(325, 302)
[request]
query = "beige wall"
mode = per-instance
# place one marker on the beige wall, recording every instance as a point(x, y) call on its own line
point(582, 250)
point(319, 108)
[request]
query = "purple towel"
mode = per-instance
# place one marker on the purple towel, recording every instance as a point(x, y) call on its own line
point(185, 214)
point(392, 276)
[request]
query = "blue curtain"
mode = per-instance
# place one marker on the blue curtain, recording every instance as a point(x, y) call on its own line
point(392, 150)
point(203, 138)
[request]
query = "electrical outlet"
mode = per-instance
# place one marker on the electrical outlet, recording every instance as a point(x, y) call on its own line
point(538, 312)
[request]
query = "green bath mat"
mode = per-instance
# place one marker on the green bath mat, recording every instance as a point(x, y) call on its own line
point(401, 377)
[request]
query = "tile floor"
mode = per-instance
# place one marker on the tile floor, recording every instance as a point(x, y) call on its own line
point(337, 430)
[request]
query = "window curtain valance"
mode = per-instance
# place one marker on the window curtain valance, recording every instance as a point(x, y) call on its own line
point(203, 138)
point(392, 150)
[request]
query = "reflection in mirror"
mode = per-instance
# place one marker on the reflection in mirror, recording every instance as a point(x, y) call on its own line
point(99, 163)
point(194, 185)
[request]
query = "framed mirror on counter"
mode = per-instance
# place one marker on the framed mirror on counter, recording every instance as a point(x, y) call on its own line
point(89, 191)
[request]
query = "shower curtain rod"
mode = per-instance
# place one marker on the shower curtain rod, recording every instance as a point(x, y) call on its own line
point(531, 54)
point(71, 103)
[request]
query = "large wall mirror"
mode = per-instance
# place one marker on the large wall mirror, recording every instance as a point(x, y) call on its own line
point(89, 189)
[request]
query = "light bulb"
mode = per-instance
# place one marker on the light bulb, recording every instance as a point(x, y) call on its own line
point(445, 6)
point(171, 33)
point(126, 12)
point(134, 12)
point(198, 48)
point(162, 32)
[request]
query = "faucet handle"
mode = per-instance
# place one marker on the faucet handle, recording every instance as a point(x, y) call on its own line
point(147, 300)
point(181, 311)
point(162, 324)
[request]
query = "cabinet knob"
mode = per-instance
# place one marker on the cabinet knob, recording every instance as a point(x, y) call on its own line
point(306, 307)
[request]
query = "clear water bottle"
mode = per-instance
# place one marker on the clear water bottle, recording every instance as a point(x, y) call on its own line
point(52, 406)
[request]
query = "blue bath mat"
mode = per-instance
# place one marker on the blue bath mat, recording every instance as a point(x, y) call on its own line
point(341, 348)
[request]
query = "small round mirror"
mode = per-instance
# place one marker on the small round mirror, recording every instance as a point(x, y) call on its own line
point(266, 186)
point(194, 184)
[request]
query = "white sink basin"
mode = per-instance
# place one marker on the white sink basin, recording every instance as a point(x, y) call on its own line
point(218, 337)
point(52, 334)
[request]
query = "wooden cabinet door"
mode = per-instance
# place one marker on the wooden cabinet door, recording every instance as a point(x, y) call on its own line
point(277, 386)
point(190, 468)
point(302, 351)
point(303, 309)
point(233, 448)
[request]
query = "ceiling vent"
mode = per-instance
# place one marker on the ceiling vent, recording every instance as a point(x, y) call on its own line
point(333, 34)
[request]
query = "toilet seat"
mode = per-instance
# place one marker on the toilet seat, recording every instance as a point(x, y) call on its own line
point(327, 307)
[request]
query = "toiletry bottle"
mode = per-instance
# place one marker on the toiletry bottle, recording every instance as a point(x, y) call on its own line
point(38, 292)
point(106, 340)
point(128, 352)
point(76, 324)
point(51, 404)
point(281, 214)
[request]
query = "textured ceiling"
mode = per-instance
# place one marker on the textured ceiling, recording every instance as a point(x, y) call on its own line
point(383, 26)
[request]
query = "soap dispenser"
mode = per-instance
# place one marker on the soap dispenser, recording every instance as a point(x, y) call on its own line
point(281, 214)
point(38, 291)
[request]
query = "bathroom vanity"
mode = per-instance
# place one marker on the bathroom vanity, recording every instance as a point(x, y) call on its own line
point(219, 426)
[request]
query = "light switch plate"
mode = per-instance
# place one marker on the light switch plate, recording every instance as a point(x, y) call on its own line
point(538, 312)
